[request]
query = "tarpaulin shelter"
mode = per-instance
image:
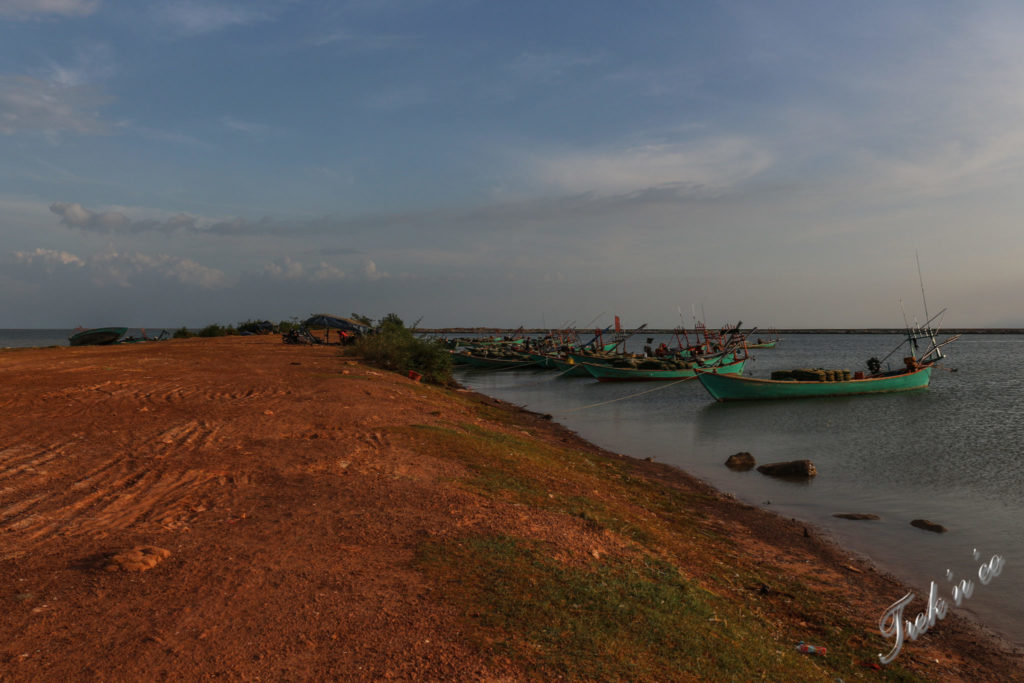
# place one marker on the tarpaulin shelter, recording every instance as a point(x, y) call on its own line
point(347, 326)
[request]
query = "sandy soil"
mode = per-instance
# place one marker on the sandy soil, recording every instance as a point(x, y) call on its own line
point(290, 519)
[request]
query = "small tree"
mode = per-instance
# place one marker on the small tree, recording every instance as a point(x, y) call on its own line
point(396, 348)
point(364, 319)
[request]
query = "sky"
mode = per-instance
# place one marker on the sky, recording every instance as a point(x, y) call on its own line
point(506, 163)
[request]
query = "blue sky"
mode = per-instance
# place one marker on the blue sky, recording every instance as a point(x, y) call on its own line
point(506, 163)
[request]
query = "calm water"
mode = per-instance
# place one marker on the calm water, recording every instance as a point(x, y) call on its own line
point(950, 454)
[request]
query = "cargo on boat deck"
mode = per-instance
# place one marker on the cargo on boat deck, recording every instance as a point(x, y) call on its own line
point(812, 375)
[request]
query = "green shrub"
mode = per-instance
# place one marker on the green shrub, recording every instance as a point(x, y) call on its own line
point(257, 327)
point(183, 333)
point(216, 330)
point(393, 347)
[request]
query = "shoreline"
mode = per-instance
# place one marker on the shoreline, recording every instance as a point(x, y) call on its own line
point(965, 628)
point(326, 518)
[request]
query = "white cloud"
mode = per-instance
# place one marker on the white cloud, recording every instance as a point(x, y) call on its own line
point(123, 269)
point(711, 164)
point(193, 17)
point(118, 221)
point(27, 9)
point(286, 268)
point(31, 104)
point(370, 271)
point(325, 272)
point(48, 258)
point(91, 63)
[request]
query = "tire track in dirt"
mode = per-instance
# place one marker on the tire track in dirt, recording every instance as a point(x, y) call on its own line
point(137, 482)
point(27, 460)
point(110, 498)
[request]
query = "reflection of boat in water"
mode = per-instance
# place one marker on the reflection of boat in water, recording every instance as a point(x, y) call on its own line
point(98, 336)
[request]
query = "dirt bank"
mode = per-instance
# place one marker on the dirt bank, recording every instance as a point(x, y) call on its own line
point(302, 497)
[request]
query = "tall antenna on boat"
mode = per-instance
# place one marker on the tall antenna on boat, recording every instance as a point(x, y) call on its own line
point(921, 280)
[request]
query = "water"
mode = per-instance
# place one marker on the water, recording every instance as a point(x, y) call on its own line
point(951, 454)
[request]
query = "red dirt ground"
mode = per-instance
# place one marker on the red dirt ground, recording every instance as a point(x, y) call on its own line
point(290, 517)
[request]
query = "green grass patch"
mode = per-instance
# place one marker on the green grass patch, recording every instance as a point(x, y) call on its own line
point(613, 619)
point(669, 628)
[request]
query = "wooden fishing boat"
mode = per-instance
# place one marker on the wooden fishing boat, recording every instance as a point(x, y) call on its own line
point(493, 363)
point(568, 367)
point(770, 343)
point(98, 336)
point(914, 375)
point(735, 388)
point(610, 373)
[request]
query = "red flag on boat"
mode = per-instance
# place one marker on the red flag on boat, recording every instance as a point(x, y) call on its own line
point(618, 326)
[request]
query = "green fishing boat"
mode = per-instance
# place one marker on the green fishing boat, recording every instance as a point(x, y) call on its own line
point(610, 373)
point(493, 362)
point(99, 336)
point(735, 388)
point(568, 368)
point(915, 374)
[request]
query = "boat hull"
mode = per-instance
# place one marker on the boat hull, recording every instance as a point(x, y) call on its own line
point(568, 368)
point(485, 363)
point(607, 373)
point(735, 388)
point(99, 336)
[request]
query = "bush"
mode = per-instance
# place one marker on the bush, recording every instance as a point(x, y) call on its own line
point(396, 348)
point(257, 327)
point(216, 330)
point(183, 333)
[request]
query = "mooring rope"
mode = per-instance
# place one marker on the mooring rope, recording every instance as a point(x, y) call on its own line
point(623, 398)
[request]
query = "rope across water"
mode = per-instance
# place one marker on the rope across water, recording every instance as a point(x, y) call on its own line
point(623, 398)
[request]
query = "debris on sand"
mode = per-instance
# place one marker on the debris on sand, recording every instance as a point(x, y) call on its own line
point(138, 559)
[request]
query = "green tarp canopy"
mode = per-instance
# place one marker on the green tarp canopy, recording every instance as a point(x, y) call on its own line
point(333, 322)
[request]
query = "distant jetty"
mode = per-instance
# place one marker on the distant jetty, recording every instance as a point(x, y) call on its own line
point(649, 330)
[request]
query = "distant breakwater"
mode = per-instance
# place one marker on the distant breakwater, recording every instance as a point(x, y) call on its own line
point(649, 330)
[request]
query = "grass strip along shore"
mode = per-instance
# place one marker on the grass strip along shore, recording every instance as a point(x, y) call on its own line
point(325, 518)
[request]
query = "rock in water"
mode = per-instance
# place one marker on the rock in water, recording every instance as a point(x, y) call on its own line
point(929, 526)
point(793, 468)
point(740, 461)
point(138, 559)
point(855, 515)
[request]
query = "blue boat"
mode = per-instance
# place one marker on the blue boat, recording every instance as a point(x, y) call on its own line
point(99, 336)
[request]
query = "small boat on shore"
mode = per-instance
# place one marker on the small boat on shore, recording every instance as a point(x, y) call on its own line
point(98, 336)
